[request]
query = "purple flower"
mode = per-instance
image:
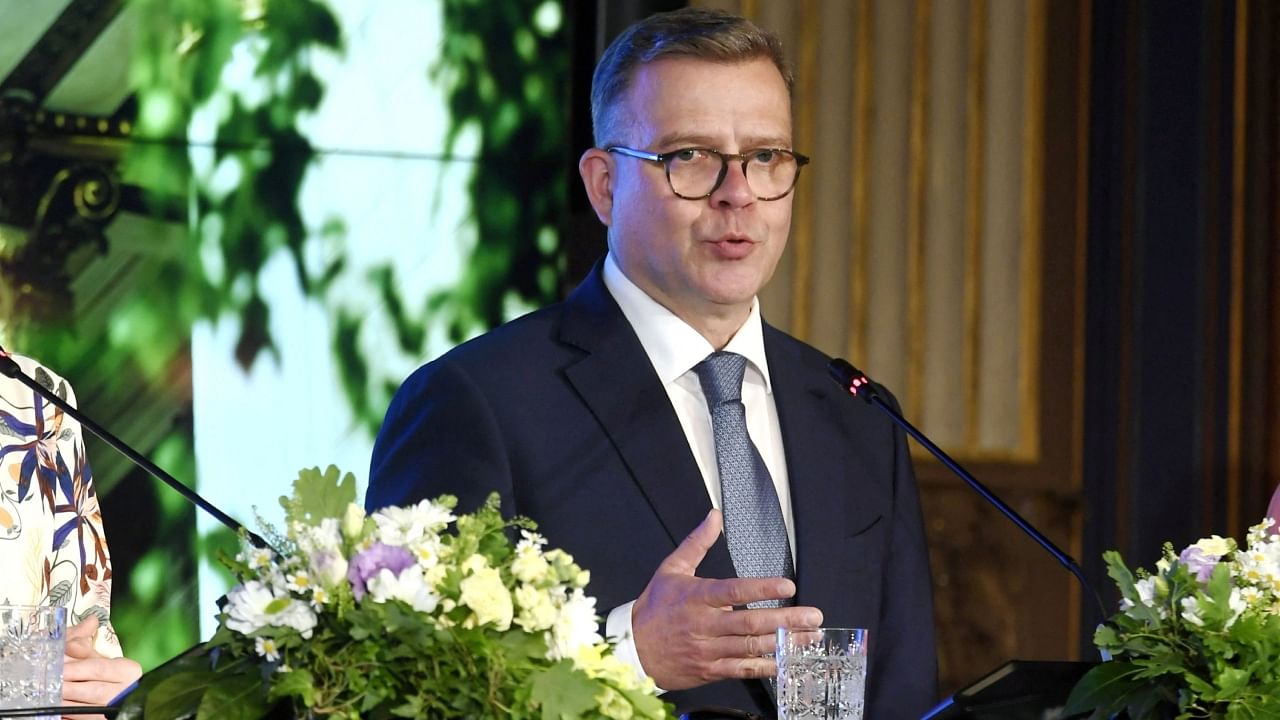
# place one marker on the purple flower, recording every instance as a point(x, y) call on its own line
point(1199, 562)
point(369, 562)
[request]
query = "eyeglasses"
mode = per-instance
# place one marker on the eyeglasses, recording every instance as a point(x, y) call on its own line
point(694, 173)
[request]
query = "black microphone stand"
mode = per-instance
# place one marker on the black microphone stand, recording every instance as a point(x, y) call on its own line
point(857, 384)
point(10, 368)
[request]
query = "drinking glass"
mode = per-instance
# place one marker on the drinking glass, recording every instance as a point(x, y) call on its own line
point(32, 642)
point(822, 673)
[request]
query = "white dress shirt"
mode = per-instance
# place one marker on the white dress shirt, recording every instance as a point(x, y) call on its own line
point(674, 348)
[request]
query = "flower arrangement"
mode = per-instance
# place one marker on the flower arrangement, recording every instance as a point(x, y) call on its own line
point(1198, 638)
point(406, 612)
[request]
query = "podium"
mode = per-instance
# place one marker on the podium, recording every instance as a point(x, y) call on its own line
point(1017, 690)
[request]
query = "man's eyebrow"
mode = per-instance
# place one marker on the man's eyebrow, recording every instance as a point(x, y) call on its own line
point(683, 140)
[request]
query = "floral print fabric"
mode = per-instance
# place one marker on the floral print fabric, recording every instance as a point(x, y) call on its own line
point(52, 547)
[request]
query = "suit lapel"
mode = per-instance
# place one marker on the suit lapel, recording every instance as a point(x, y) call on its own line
point(618, 384)
point(819, 466)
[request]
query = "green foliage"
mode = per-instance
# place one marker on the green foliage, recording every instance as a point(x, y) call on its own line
point(1199, 638)
point(503, 67)
point(318, 495)
point(256, 141)
point(469, 625)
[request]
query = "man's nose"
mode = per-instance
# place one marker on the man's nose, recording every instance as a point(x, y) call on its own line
point(735, 191)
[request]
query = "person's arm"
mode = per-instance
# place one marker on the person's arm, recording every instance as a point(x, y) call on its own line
point(439, 436)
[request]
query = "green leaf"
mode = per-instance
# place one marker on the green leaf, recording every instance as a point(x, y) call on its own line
point(234, 696)
point(319, 495)
point(563, 692)
point(1104, 689)
point(60, 593)
point(295, 683)
point(179, 695)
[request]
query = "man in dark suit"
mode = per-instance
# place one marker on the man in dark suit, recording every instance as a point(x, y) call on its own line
point(607, 418)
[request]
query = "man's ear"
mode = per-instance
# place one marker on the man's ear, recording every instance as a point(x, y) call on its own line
point(596, 168)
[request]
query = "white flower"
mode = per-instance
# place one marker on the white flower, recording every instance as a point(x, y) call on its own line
point(410, 587)
point(404, 526)
point(329, 568)
point(266, 647)
point(247, 607)
point(484, 593)
point(299, 582)
point(427, 551)
point(1191, 611)
point(575, 627)
point(1238, 604)
point(529, 565)
point(260, 558)
point(313, 539)
point(253, 606)
point(1148, 589)
point(297, 615)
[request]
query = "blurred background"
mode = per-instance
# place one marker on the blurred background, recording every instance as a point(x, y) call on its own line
point(1050, 226)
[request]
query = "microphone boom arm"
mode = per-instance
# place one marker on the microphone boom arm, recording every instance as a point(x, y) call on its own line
point(9, 367)
point(858, 385)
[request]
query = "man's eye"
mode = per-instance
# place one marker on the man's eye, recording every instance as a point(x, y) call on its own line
point(688, 155)
point(764, 157)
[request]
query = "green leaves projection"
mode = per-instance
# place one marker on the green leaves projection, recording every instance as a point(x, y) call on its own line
point(221, 163)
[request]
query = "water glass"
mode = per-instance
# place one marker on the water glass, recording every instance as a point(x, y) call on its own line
point(822, 673)
point(32, 642)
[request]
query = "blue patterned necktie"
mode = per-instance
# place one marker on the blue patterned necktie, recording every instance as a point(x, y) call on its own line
point(753, 524)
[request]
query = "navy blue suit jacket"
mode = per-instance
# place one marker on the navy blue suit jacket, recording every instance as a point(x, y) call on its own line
point(561, 413)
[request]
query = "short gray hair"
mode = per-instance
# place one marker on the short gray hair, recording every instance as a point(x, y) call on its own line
point(699, 33)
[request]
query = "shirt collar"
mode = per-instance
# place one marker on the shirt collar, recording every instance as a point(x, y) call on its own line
point(672, 345)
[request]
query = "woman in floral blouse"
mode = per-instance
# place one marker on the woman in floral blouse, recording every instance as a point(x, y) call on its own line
point(52, 547)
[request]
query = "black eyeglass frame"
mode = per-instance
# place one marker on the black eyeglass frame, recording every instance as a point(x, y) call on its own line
point(665, 160)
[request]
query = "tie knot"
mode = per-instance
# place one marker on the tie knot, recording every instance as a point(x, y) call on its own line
point(721, 377)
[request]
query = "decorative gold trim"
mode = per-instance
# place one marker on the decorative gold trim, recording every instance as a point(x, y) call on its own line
point(917, 157)
point(1235, 381)
point(860, 220)
point(975, 117)
point(1032, 229)
point(802, 227)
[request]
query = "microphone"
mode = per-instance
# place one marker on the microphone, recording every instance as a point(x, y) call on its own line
point(9, 367)
point(860, 386)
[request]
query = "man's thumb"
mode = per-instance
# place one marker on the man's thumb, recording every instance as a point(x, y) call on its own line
point(686, 558)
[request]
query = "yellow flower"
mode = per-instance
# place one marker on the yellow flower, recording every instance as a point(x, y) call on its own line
point(529, 566)
point(537, 612)
point(487, 597)
point(1216, 545)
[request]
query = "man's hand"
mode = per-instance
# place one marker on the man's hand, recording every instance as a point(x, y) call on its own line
point(686, 630)
point(88, 678)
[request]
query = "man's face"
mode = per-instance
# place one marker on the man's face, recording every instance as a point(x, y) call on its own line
point(705, 258)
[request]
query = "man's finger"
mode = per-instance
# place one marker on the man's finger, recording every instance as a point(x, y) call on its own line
point(686, 558)
point(764, 621)
point(736, 592)
point(745, 668)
